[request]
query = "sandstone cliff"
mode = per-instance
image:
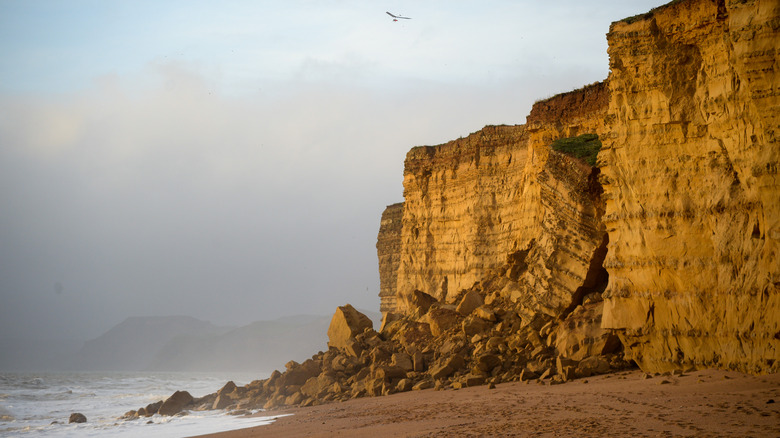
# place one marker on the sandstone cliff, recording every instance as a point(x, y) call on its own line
point(690, 176)
point(492, 206)
point(686, 230)
point(388, 247)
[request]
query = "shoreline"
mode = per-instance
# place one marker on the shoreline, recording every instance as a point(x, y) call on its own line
point(699, 403)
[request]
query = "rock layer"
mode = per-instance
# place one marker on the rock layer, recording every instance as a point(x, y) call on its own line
point(690, 176)
point(388, 248)
point(498, 204)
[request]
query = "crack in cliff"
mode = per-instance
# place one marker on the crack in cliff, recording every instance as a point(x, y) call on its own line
point(595, 281)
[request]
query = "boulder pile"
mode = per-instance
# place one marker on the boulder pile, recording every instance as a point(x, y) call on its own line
point(438, 345)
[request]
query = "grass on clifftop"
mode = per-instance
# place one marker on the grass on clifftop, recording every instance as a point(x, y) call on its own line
point(647, 15)
point(585, 147)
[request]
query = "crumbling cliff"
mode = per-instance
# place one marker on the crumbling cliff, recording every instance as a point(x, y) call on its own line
point(690, 177)
point(685, 234)
point(498, 203)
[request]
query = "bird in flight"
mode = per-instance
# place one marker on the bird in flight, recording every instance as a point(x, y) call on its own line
point(396, 17)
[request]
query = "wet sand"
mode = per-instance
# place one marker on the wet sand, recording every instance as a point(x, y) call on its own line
point(700, 403)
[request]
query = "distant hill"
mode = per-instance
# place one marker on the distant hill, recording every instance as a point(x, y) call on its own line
point(261, 346)
point(135, 342)
point(182, 343)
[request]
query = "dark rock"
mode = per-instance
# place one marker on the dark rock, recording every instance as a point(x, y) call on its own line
point(129, 415)
point(77, 417)
point(175, 403)
point(152, 408)
point(486, 362)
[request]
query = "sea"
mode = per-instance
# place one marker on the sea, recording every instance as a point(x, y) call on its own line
point(39, 404)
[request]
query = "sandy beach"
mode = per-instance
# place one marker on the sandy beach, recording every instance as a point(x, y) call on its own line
point(699, 403)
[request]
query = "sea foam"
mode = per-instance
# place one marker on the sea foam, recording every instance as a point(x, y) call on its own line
point(39, 404)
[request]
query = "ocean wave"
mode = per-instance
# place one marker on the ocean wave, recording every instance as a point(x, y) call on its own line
point(6, 415)
point(41, 399)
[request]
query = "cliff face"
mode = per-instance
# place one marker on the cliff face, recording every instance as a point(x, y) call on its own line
point(690, 176)
point(684, 236)
point(388, 248)
point(462, 207)
point(500, 205)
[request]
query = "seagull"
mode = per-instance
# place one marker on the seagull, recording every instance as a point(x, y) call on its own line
point(396, 17)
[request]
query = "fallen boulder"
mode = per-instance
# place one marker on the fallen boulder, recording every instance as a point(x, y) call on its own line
point(447, 367)
point(418, 303)
point(345, 325)
point(442, 319)
point(469, 302)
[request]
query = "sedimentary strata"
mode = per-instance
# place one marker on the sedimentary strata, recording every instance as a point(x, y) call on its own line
point(690, 175)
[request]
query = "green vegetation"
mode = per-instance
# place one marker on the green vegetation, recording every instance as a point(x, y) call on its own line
point(585, 147)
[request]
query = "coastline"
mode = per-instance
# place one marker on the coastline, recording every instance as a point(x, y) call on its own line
point(699, 403)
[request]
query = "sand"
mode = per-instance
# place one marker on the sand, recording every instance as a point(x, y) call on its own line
point(699, 403)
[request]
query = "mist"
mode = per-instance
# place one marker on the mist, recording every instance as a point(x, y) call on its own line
point(232, 163)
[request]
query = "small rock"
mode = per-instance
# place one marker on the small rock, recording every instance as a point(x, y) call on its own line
point(485, 313)
point(129, 415)
point(424, 384)
point(77, 417)
point(471, 380)
point(664, 382)
point(770, 401)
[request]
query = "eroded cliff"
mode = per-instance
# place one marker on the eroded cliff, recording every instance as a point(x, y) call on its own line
point(688, 119)
point(690, 176)
point(499, 204)
point(388, 248)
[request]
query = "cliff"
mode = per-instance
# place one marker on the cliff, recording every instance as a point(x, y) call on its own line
point(490, 205)
point(388, 247)
point(690, 177)
point(685, 234)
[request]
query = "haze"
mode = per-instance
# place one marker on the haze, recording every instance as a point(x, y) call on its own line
point(230, 160)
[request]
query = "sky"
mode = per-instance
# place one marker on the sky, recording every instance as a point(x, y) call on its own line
point(230, 160)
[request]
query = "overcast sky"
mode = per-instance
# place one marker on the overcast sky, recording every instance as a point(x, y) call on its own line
point(230, 160)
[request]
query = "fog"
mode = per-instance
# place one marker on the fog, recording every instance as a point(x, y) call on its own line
point(230, 160)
